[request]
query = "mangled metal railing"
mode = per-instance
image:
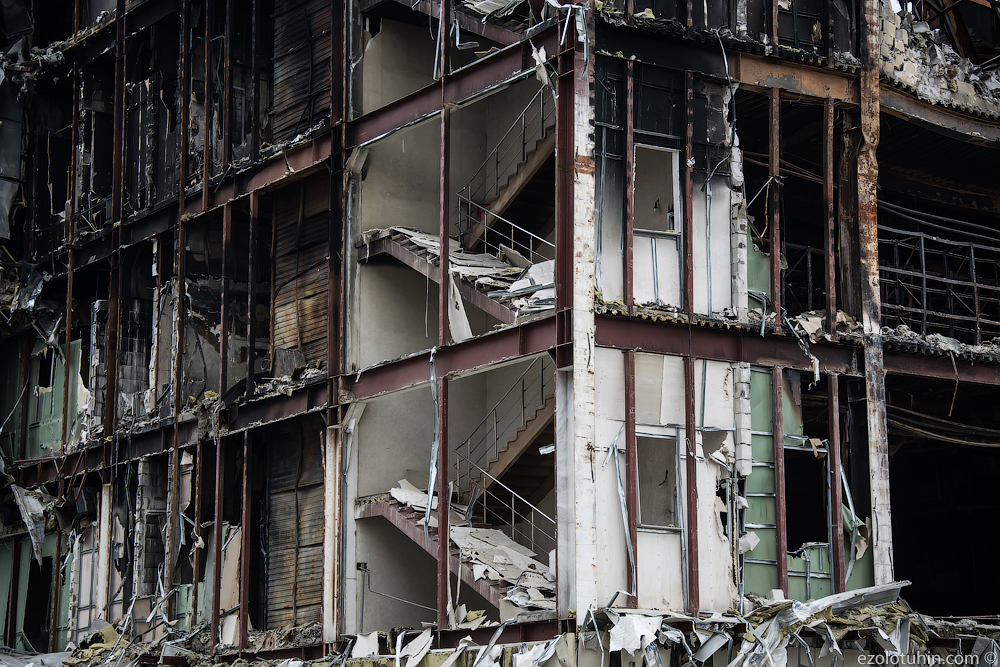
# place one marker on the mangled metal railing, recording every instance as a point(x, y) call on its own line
point(519, 404)
point(500, 238)
point(508, 511)
point(512, 149)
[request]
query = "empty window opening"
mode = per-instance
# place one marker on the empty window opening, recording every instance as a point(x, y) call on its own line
point(658, 498)
point(38, 605)
point(805, 498)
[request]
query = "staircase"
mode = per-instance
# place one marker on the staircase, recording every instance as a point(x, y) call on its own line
point(516, 180)
point(416, 251)
point(529, 474)
point(408, 520)
point(528, 194)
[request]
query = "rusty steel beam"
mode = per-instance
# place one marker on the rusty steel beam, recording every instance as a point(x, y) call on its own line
point(760, 74)
point(774, 198)
point(278, 171)
point(311, 398)
point(836, 489)
point(444, 598)
point(871, 306)
point(252, 292)
point(691, 489)
point(185, 99)
point(729, 345)
point(629, 182)
point(227, 243)
point(829, 252)
point(444, 239)
point(458, 87)
point(206, 158)
point(778, 442)
point(963, 127)
point(631, 475)
point(505, 345)
point(69, 339)
point(689, 196)
point(216, 583)
point(245, 505)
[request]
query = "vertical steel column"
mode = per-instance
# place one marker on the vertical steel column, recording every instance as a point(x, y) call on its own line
point(774, 23)
point(565, 168)
point(444, 502)
point(22, 417)
point(836, 490)
point(689, 196)
point(255, 81)
point(871, 299)
point(444, 335)
point(847, 215)
point(245, 549)
point(252, 293)
point(774, 201)
point(196, 529)
point(173, 520)
point(69, 339)
point(227, 242)
point(629, 181)
point(831, 231)
point(183, 99)
point(778, 440)
point(216, 583)
point(117, 182)
point(207, 130)
point(227, 90)
point(691, 486)
point(631, 474)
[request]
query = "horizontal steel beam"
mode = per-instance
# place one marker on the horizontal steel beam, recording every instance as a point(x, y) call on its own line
point(735, 345)
point(508, 344)
point(762, 73)
point(956, 125)
point(466, 22)
point(454, 88)
point(311, 398)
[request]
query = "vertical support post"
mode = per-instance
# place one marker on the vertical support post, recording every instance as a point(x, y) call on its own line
point(184, 99)
point(22, 418)
point(227, 243)
point(252, 293)
point(871, 299)
point(56, 589)
point(172, 513)
point(691, 486)
point(689, 196)
point(836, 490)
point(207, 129)
point(444, 291)
point(216, 583)
point(629, 180)
point(831, 231)
point(631, 472)
point(774, 200)
point(774, 23)
point(117, 174)
point(444, 503)
point(255, 114)
point(778, 440)
point(196, 529)
point(245, 531)
point(227, 90)
point(68, 339)
point(847, 215)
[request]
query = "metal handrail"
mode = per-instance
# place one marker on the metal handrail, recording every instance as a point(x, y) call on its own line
point(465, 209)
point(485, 439)
point(496, 162)
point(484, 495)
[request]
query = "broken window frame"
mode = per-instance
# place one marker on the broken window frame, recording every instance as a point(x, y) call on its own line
point(658, 237)
point(678, 483)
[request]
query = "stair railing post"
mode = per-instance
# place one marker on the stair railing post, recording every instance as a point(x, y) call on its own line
point(496, 435)
point(522, 401)
point(524, 137)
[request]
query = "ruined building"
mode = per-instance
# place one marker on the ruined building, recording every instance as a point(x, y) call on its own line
point(500, 331)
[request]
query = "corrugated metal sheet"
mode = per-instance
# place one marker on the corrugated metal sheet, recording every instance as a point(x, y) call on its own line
point(302, 60)
point(300, 300)
point(295, 529)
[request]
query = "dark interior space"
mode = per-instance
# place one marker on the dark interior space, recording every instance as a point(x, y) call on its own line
point(944, 449)
point(38, 605)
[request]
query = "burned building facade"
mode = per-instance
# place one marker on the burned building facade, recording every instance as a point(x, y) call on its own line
point(560, 330)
